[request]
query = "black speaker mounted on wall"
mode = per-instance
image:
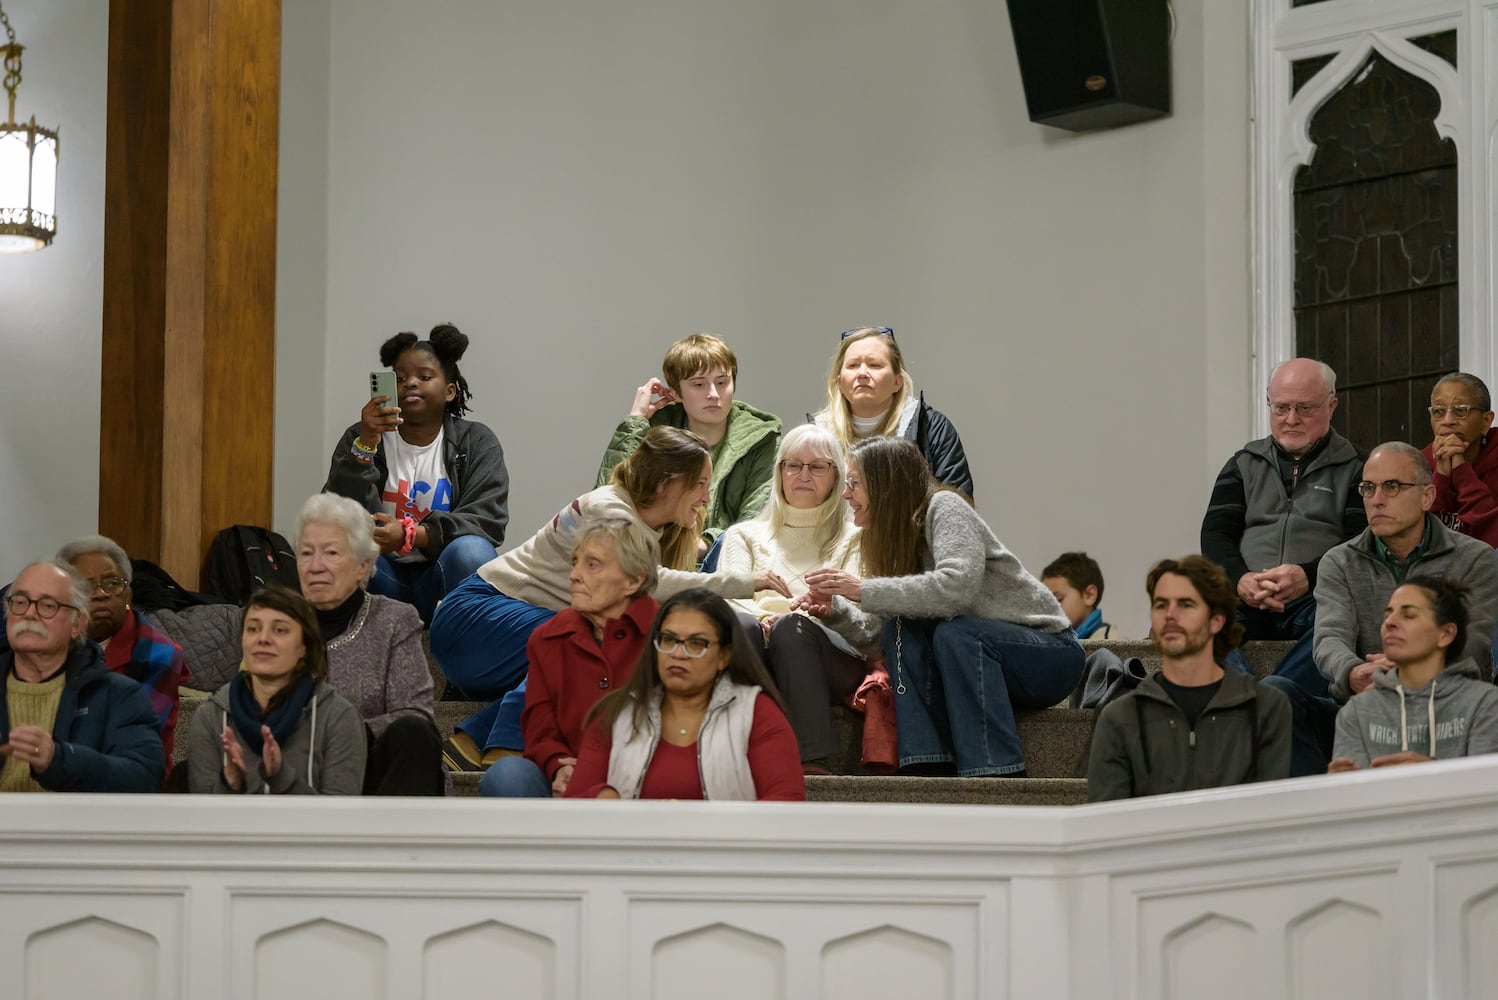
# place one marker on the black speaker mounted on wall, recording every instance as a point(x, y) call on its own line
point(1090, 64)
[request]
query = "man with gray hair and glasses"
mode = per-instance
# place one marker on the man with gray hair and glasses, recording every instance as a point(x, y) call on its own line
point(1282, 501)
point(1356, 580)
point(67, 724)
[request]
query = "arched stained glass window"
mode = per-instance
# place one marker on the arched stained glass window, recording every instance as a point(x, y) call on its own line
point(1376, 245)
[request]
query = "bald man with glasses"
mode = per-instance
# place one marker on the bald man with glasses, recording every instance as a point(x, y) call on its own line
point(67, 724)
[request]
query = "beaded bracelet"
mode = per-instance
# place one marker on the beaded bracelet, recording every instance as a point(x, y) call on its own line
point(360, 455)
point(368, 450)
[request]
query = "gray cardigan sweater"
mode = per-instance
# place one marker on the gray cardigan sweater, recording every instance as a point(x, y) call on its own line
point(379, 666)
point(1353, 585)
point(968, 572)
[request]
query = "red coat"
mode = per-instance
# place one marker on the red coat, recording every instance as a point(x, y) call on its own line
point(1467, 500)
point(570, 671)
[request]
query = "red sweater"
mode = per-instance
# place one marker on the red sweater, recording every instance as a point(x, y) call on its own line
point(774, 761)
point(569, 672)
point(1467, 500)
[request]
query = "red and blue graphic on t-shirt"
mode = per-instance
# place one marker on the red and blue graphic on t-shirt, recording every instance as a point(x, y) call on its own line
point(419, 499)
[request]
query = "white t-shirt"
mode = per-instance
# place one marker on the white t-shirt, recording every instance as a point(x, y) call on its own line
point(416, 482)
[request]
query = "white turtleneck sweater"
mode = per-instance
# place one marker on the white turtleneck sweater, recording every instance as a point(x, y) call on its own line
point(790, 550)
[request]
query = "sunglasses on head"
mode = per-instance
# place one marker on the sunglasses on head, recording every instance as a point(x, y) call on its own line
point(883, 331)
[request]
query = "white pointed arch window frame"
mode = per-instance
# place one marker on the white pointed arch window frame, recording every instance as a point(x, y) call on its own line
point(1349, 31)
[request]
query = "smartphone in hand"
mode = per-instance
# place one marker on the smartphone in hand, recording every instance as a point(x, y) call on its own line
point(383, 384)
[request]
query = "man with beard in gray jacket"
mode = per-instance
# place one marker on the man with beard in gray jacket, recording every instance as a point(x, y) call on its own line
point(1356, 579)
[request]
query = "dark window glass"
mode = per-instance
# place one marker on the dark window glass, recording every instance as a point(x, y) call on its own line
point(1375, 252)
point(1442, 43)
point(1301, 71)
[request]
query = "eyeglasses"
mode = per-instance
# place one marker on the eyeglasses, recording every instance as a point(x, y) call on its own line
point(1391, 487)
point(1303, 409)
point(695, 648)
point(852, 483)
point(883, 331)
point(1460, 411)
point(794, 469)
point(46, 607)
point(112, 586)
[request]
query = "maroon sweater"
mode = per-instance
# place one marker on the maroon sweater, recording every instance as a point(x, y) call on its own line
point(1467, 500)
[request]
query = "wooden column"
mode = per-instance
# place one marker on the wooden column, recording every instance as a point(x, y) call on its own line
point(188, 386)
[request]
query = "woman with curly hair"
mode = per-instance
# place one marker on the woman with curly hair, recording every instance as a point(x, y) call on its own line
point(435, 482)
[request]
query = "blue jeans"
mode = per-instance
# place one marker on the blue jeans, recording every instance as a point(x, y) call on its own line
point(1295, 622)
point(423, 584)
point(1313, 712)
point(962, 680)
point(514, 778)
point(478, 639)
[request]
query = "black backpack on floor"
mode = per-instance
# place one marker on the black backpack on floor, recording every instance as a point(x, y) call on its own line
point(244, 558)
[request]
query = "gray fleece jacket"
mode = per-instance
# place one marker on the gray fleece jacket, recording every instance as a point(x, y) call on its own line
point(969, 572)
point(1353, 584)
point(324, 756)
point(1455, 715)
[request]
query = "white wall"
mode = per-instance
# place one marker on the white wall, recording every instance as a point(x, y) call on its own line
point(1381, 886)
point(577, 185)
point(51, 301)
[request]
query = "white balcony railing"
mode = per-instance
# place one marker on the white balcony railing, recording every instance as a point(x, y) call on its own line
point(1367, 886)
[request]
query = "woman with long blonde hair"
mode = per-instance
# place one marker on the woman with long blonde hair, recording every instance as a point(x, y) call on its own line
point(870, 393)
point(804, 527)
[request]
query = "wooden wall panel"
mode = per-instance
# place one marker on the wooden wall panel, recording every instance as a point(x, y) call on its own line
point(189, 298)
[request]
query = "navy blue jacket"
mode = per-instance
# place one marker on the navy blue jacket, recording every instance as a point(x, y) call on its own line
point(105, 732)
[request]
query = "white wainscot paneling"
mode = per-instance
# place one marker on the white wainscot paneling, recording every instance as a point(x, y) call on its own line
point(1467, 904)
point(82, 943)
point(1278, 936)
point(330, 945)
point(865, 948)
point(1373, 885)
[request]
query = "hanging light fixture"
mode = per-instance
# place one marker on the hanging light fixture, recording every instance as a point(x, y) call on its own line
point(28, 167)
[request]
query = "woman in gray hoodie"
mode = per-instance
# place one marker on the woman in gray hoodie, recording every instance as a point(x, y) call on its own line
point(278, 727)
point(1428, 703)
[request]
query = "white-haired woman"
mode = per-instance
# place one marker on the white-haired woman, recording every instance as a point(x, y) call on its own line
point(804, 527)
point(589, 649)
point(373, 644)
point(871, 394)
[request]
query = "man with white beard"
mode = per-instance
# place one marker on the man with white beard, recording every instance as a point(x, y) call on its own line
point(1191, 725)
point(67, 723)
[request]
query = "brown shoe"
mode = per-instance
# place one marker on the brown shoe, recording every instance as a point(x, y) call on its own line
point(460, 753)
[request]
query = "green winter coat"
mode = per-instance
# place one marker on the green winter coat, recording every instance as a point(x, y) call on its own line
point(743, 462)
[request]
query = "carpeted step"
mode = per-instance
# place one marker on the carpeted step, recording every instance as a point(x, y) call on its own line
point(1054, 739)
point(947, 791)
